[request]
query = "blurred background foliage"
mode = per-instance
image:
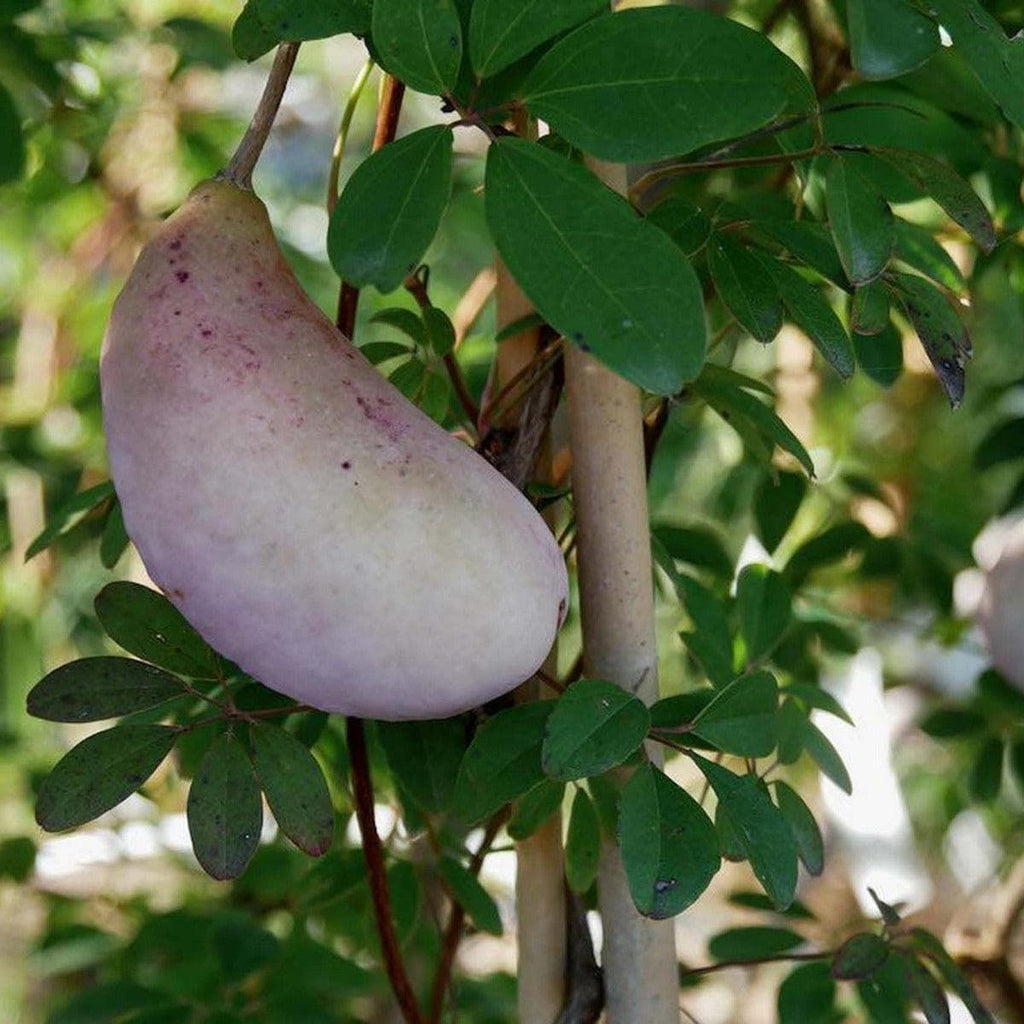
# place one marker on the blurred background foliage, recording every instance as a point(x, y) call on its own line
point(123, 108)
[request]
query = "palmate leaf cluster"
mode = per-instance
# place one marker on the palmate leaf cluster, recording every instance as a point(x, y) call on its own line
point(767, 197)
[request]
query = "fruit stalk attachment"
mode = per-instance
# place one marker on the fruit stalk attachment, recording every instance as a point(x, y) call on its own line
point(240, 166)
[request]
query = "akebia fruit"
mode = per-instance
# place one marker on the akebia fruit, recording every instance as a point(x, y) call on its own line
point(310, 522)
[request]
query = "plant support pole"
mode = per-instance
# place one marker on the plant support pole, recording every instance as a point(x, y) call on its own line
point(617, 609)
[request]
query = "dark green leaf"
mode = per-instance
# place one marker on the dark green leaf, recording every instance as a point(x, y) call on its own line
point(1004, 443)
point(420, 42)
point(759, 827)
point(73, 511)
point(952, 722)
point(411, 179)
point(465, 887)
point(264, 23)
point(595, 726)
point(796, 911)
point(17, 858)
point(582, 844)
point(870, 312)
point(405, 320)
point(889, 37)
point(500, 33)
point(808, 994)
point(502, 762)
point(828, 547)
point(112, 1001)
point(919, 249)
point(425, 757)
point(114, 539)
point(740, 719)
point(10, 9)
point(92, 689)
point(647, 84)
point(687, 225)
point(776, 503)
point(940, 329)
point(1016, 759)
point(745, 287)
point(225, 811)
point(699, 546)
point(890, 915)
point(534, 808)
point(860, 220)
point(669, 846)
point(147, 625)
point(711, 640)
point(295, 788)
point(100, 772)
point(670, 713)
point(791, 731)
point(884, 994)
point(986, 777)
point(809, 844)
point(439, 329)
point(410, 378)
point(808, 242)
point(764, 606)
point(951, 974)
point(242, 947)
point(12, 152)
point(926, 992)
point(818, 745)
point(809, 310)
point(381, 351)
point(1000, 695)
point(518, 326)
point(816, 697)
point(753, 943)
point(609, 281)
point(880, 356)
point(859, 956)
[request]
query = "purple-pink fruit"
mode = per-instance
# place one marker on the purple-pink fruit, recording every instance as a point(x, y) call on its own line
point(311, 523)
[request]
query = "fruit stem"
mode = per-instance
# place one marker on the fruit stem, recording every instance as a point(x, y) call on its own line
point(240, 166)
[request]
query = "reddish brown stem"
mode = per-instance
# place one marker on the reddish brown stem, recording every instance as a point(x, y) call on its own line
point(373, 855)
point(456, 920)
point(386, 127)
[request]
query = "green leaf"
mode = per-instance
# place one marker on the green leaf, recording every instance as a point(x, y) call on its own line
point(477, 902)
point(810, 311)
point(940, 329)
point(732, 403)
point(669, 845)
point(884, 994)
point(410, 378)
point(609, 281)
point(918, 248)
point(806, 834)
point(859, 956)
point(100, 772)
point(225, 811)
point(889, 37)
point(425, 757)
point(582, 844)
point(828, 547)
point(815, 697)
point(753, 943)
point(827, 758)
point(114, 538)
point(17, 858)
point(295, 788)
point(791, 731)
point(760, 829)
point(147, 625)
point(711, 640)
point(776, 503)
point(1016, 759)
point(870, 311)
point(745, 286)
point(687, 225)
point(653, 83)
point(439, 330)
point(405, 320)
point(73, 511)
point(673, 713)
point(860, 220)
point(242, 947)
point(502, 762)
point(947, 188)
point(880, 356)
point(699, 546)
point(264, 23)
point(381, 351)
point(92, 689)
point(1004, 443)
point(12, 153)
point(764, 605)
point(595, 726)
point(997, 62)
point(500, 33)
point(740, 719)
point(808, 242)
point(420, 42)
point(952, 723)
point(111, 1001)
point(411, 179)
point(951, 974)
point(986, 776)
point(926, 992)
point(1000, 695)
point(534, 808)
point(519, 326)
point(808, 994)
point(796, 911)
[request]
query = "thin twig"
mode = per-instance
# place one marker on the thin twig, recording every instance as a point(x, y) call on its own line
point(240, 166)
point(722, 965)
point(342, 137)
point(373, 855)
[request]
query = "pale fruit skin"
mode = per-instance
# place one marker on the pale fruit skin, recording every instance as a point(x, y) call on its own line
point(310, 522)
point(1001, 614)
